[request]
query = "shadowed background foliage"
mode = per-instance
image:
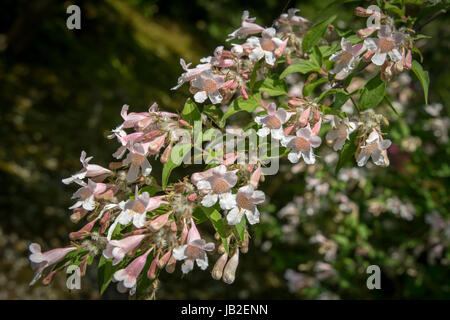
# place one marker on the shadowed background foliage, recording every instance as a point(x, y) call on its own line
point(62, 90)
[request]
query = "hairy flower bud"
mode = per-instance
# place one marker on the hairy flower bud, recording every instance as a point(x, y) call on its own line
point(165, 258)
point(48, 279)
point(170, 266)
point(151, 274)
point(217, 271)
point(229, 273)
point(80, 234)
point(159, 222)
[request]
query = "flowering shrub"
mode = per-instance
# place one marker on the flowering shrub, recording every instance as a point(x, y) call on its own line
point(140, 225)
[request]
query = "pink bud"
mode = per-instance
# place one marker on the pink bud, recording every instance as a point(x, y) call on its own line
point(157, 143)
point(279, 51)
point(368, 55)
point(151, 274)
point(104, 222)
point(289, 130)
point(315, 130)
point(184, 123)
point(159, 222)
point(184, 233)
point(173, 227)
point(254, 179)
point(192, 197)
point(48, 279)
point(316, 114)
point(80, 234)
point(217, 271)
point(304, 117)
point(408, 60)
point(170, 267)
point(162, 262)
point(244, 93)
point(364, 33)
point(166, 154)
point(229, 273)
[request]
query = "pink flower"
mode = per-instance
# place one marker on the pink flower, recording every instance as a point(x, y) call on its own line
point(301, 145)
point(125, 141)
point(117, 249)
point(292, 19)
point(386, 45)
point(346, 59)
point(209, 85)
point(264, 46)
point(127, 277)
point(133, 119)
point(89, 170)
point(135, 209)
point(340, 132)
point(246, 200)
point(86, 194)
point(374, 148)
point(273, 122)
point(248, 27)
point(40, 261)
point(216, 183)
point(137, 158)
point(195, 249)
point(190, 74)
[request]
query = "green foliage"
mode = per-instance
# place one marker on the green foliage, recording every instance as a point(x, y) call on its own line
point(372, 94)
point(423, 77)
point(316, 33)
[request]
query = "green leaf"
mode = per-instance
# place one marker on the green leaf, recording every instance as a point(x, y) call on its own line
point(327, 51)
point(272, 85)
point(309, 89)
point(316, 33)
point(301, 66)
point(179, 151)
point(106, 271)
point(199, 215)
point(214, 113)
point(240, 228)
point(347, 152)
point(190, 112)
point(372, 93)
point(340, 98)
point(316, 57)
point(239, 104)
point(152, 190)
point(423, 77)
point(216, 219)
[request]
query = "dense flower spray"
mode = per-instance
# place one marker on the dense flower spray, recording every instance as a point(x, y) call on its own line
point(139, 225)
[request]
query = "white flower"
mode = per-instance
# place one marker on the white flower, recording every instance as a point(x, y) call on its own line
point(264, 46)
point(340, 132)
point(89, 170)
point(346, 59)
point(190, 74)
point(135, 209)
point(248, 27)
point(195, 249)
point(375, 147)
point(209, 85)
point(272, 122)
point(386, 45)
point(86, 194)
point(246, 200)
point(216, 183)
point(301, 145)
point(137, 158)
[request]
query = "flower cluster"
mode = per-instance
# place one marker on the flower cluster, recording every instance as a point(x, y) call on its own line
point(142, 227)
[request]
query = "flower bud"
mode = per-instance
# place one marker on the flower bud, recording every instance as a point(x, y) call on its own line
point(163, 261)
point(229, 273)
point(217, 271)
point(151, 274)
point(170, 266)
point(192, 197)
point(159, 222)
point(166, 154)
point(104, 222)
point(78, 214)
point(244, 93)
point(48, 279)
point(303, 120)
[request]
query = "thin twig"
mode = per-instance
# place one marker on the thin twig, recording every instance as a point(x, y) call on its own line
point(433, 17)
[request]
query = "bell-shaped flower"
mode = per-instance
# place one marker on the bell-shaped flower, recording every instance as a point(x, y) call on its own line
point(194, 249)
point(40, 261)
point(89, 170)
point(375, 148)
point(246, 200)
point(135, 209)
point(190, 74)
point(125, 140)
point(264, 46)
point(302, 145)
point(208, 85)
point(292, 19)
point(340, 132)
point(137, 158)
point(133, 119)
point(117, 249)
point(273, 122)
point(127, 277)
point(216, 184)
point(248, 27)
point(386, 45)
point(346, 59)
point(87, 193)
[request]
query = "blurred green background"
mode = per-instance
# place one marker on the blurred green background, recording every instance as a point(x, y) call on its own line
point(62, 90)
